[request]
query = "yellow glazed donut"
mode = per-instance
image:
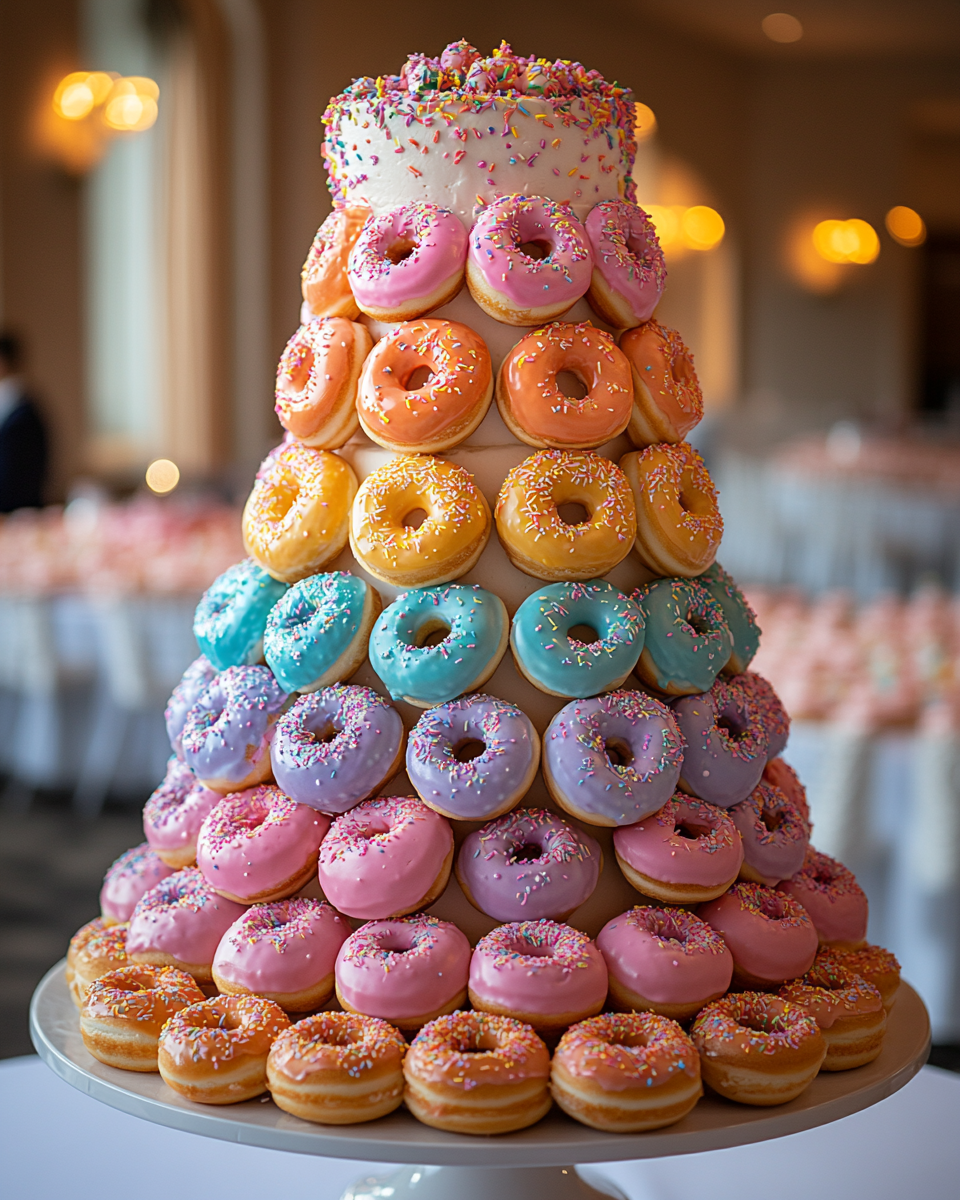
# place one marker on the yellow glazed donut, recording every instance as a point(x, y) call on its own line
point(447, 543)
point(679, 526)
point(296, 519)
point(667, 401)
point(534, 534)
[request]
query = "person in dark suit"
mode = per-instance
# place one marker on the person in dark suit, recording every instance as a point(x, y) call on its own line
point(23, 436)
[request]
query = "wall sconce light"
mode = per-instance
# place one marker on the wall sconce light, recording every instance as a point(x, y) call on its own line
point(820, 253)
point(87, 109)
point(852, 241)
point(645, 122)
point(905, 226)
point(680, 228)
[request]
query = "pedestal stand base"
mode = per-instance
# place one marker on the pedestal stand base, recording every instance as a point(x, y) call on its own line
point(480, 1183)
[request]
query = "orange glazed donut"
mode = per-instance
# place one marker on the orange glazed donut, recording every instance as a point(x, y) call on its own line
point(296, 519)
point(94, 950)
point(448, 542)
point(337, 1068)
point(537, 539)
point(438, 413)
point(326, 289)
point(872, 963)
point(473, 1072)
point(679, 526)
point(125, 1010)
point(91, 929)
point(316, 391)
point(626, 1072)
point(667, 401)
point(758, 1049)
point(536, 410)
point(848, 1010)
point(216, 1052)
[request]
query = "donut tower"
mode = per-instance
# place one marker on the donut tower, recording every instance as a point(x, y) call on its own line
point(472, 756)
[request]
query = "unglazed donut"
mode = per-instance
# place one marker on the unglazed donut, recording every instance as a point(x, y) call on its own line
point(284, 952)
point(435, 415)
point(687, 641)
point(626, 1072)
point(125, 1010)
point(873, 963)
point(296, 519)
point(835, 901)
point(768, 704)
point(173, 815)
point(336, 747)
point(316, 390)
point(848, 1010)
point(628, 267)
point(667, 401)
point(498, 775)
point(664, 960)
point(686, 853)
point(323, 280)
point(232, 615)
point(613, 759)
point(184, 697)
point(534, 534)
point(779, 772)
point(448, 542)
point(528, 864)
point(216, 1052)
point(534, 407)
point(95, 949)
point(726, 743)
point(770, 936)
point(472, 1072)
point(407, 971)
point(679, 526)
point(415, 666)
point(739, 616)
point(134, 873)
point(386, 858)
point(773, 833)
point(553, 659)
point(758, 1049)
point(337, 1069)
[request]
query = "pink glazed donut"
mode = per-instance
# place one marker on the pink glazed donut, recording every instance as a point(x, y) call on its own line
point(726, 742)
point(835, 901)
point(284, 952)
point(664, 960)
point(528, 863)
point(386, 858)
point(174, 813)
point(407, 971)
point(770, 935)
point(127, 880)
point(258, 845)
point(539, 972)
point(774, 835)
point(779, 772)
point(686, 853)
point(628, 267)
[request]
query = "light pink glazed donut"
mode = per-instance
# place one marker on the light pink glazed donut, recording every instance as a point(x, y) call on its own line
point(774, 835)
point(386, 858)
point(134, 873)
point(664, 960)
point(835, 901)
point(628, 267)
point(174, 813)
point(407, 971)
point(284, 952)
point(770, 935)
point(408, 261)
point(779, 772)
point(259, 845)
point(686, 853)
point(539, 972)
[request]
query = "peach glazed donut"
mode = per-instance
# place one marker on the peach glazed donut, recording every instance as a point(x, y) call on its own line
point(774, 835)
point(537, 411)
point(679, 526)
point(471, 1072)
point(317, 377)
point(323, 280)
point(628, 267)
point(443, 547)
point(296, 519)
point(95, 949)
point(626, 1072)
point(538, 540)
point(439, 413)
point(758, 1049)
point(83, 934)
point(337, 1069)
point(125, 1010)
point(872, 963)
point(848, 1010)
point(770, 936)
point(667, 401)
point(134, 873)
point(216, 1052)
point(664, 960)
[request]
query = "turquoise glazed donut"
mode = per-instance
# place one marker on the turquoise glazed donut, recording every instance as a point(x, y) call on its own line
point(738, 614)
point(476, 626)
point(562, 665)
point(232, 615)
point(688, 642)
point(317, 633)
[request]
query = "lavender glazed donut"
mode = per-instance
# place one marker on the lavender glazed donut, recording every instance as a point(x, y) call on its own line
point(529, 863)
point(227, 733)
point(613, 759)
point(185, 695)
point(725, 743)
point(284, 952)
point(174, 813)
point(664, 960)
point(408, 971)
point(473, 758)
point(259, 845)
point(628, 267)
point(774, 835)
point(133, 874)
point(770, 936)
point(336, 747)
point(835, 901)
point(772, 713)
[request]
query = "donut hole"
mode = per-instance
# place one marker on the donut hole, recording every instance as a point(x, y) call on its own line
point(618, 752)
point(533, 949)
point(771, 821)
point(469, 749)
point(691, 830)
point(393, 943)
point(373, 828)
point(400, 250)
point(325, 734)
point(526, 852)
point(681, 368)
point(418, 378)
point(630, 1040)
point(298, 371)
point(430, 634)
point(698, 623)
point(637, 244)
point(537, 248)
point(573, 513)
point(584, 635)
point(571, 385)
point(733, 726)
point(414, 518)
point(762, 1022)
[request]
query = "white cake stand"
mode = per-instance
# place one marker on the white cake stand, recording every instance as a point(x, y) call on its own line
point(533, 1164)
